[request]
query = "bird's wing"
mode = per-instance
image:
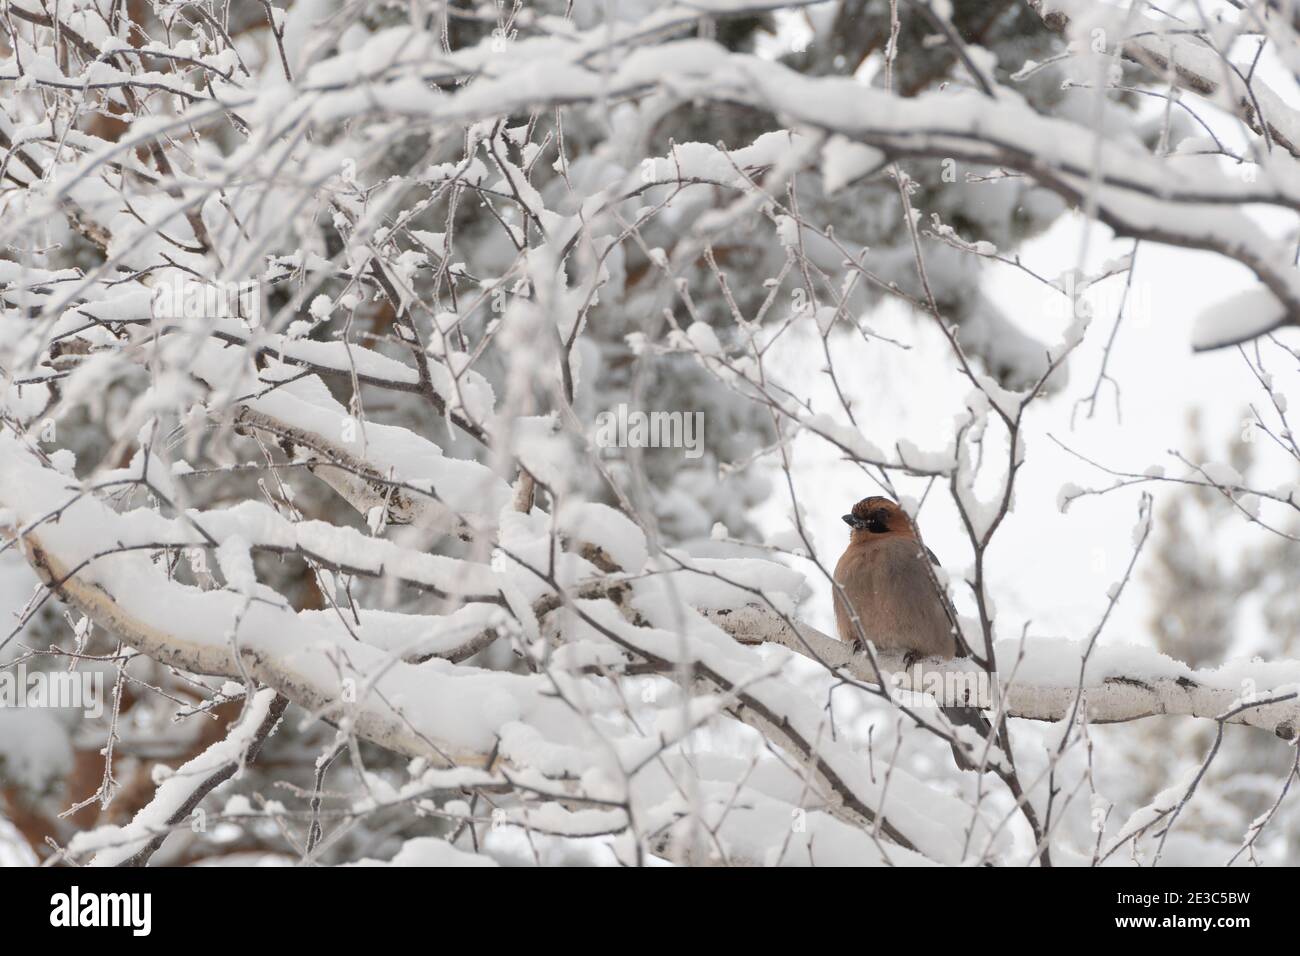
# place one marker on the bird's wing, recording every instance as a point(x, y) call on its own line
point(904, 606)
point(963, 649)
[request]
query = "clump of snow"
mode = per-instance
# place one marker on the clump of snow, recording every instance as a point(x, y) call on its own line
point(35, 748)
point(236, 563)
point(1238, 318)
point(844, 161)
point(1222, 474)
point(610, 530)
point(1067, 493)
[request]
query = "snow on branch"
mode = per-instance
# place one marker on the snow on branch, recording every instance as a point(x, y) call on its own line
point(1121, 683)
point(184, 788)
point(1187, 58)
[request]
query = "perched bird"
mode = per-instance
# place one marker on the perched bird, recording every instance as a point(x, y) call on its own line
point(886, 581)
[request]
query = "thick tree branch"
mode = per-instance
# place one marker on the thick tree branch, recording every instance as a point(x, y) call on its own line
point(1109, 697)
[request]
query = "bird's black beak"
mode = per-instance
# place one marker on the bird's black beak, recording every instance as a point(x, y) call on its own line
point(853, 521)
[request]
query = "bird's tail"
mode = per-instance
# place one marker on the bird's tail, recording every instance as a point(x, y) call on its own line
point(971, 717)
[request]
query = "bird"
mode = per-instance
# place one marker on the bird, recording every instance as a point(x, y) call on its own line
point(885, 578)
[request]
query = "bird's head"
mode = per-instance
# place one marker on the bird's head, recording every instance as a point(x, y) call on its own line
point(876, 516)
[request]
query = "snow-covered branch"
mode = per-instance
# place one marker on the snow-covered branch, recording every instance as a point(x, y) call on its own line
point(1120, 684)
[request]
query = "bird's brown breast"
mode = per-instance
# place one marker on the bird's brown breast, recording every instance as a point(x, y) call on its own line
point(888, 583)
